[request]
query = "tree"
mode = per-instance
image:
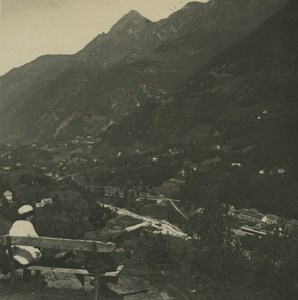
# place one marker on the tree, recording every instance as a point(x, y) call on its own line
point(275, 264)
point(217, 259)
point(66, 218)
point(158, 254)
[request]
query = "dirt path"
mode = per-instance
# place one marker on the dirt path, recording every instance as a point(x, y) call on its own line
point(159, 226)
point(142, 289)
point(65, 286)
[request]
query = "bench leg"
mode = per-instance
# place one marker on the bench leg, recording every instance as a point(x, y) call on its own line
point(26, 274)
point(96, 292)
point(103, 291)
point(12, 273)
point(37, 276)
point(81, 278)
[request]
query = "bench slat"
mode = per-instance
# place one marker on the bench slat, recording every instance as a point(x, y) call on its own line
point(114, 274)
point(58, 243)
point(58, 270)
point(75, 271)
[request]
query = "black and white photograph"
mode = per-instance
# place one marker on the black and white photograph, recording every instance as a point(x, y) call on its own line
point(149, 149)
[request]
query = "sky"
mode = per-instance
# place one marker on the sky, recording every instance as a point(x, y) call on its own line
point(30, 28)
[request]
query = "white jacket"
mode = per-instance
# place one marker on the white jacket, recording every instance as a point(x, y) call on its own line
point(24, 254)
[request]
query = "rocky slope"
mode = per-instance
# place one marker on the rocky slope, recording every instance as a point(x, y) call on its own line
point(135, 62)
point(251, 83)
point(107, 49)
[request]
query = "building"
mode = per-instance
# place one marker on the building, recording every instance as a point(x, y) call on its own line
point(190, 166)
point(8, 196)
point(236, 164)
point(177, 180)
point(173, 151)
point(253, 231)
point(112, 191)
point(132, 193)
point(230, 209)
point(215, 147)
point(271, 219)
point(44, 202)
point(251, 215)
point(293, 224)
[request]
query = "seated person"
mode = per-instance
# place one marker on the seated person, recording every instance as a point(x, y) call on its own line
point(25, 255)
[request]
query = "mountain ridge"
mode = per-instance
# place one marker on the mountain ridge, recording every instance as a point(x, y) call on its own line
point(107, 81)
point(220, 95)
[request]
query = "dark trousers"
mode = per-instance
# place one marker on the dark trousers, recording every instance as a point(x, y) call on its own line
point(103, 262)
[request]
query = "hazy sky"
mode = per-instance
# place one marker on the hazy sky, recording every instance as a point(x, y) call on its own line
point(30, 28)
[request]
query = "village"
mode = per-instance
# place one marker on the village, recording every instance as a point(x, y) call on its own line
point(75, 160)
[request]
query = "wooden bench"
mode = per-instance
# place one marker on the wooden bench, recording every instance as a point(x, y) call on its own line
point(92, 247)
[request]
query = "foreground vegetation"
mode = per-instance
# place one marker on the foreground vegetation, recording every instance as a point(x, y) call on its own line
point(212, 265)
point(216, 266)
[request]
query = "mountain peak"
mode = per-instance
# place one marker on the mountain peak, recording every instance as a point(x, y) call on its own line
point(133, 13)
point(131, 18)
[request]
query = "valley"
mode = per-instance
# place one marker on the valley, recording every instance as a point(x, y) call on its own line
point(188, 124)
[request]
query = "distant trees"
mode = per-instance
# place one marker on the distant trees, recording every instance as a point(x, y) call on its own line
point(198, 187)
point(67, 217)
point(215, 254)
point(220, 263)
point(30, 179)
point(275, 262)
point(244, 187)
point(156, 174)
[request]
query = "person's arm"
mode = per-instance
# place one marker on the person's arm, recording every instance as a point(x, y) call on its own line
point(31, 231)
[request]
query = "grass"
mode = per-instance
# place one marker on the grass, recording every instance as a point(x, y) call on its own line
point(33, 292)
point(66, 286)
point(63, 287)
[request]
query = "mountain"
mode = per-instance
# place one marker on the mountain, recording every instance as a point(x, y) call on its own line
point(228, 18)
point(117, 73)
point(247, 93)
point(272, 48)
point(108, 49)
point(32, 88)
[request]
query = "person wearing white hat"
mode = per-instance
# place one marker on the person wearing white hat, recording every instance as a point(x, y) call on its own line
point(23, 227)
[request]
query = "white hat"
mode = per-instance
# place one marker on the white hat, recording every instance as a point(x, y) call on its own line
point(25, 209)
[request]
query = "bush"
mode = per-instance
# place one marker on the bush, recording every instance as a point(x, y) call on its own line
point(67, 217)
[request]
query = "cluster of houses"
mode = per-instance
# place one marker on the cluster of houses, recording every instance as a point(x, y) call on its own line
point(251, 216)
point(7, 162)
point(77, 145)
point(279, 171)
point(78, 140)
point(111, 191)
point(44, 202)
point(255, 217)
point(263, 115)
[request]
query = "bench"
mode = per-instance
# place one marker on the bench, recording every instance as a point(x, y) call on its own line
point(93, 247)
